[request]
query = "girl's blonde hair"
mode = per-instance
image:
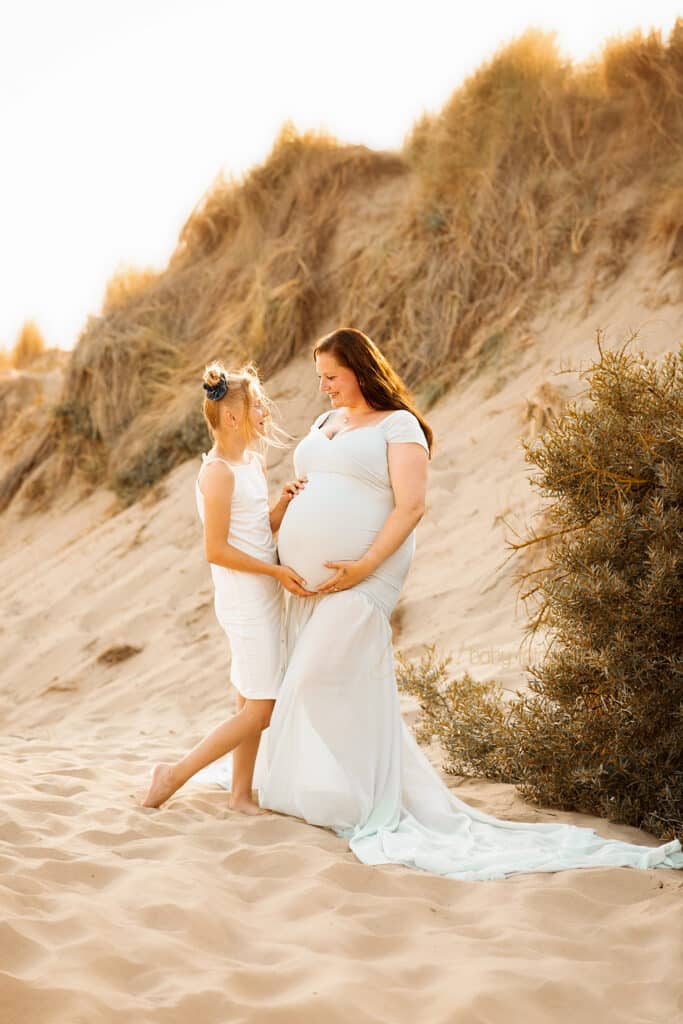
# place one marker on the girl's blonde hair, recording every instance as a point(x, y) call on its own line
point(239, 388)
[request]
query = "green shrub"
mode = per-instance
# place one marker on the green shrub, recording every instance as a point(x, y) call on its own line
point(601, 728)
point(466, 716)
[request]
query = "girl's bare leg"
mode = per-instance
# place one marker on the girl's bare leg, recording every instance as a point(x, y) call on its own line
point(248, 723)
point(243, 762)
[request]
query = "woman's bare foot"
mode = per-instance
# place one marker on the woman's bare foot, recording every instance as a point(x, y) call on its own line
point(246, 805)
point(162, 786)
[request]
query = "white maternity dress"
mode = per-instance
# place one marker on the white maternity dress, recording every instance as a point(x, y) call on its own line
point(337, 752)
point(248, 605)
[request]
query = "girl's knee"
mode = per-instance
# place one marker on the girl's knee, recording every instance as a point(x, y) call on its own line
point(261, 711)
point(268, 714)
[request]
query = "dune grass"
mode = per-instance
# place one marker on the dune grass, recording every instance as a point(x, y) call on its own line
point(533, 166)
point(28, 346)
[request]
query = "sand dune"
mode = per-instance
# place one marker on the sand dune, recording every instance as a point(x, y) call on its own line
point(111, 659)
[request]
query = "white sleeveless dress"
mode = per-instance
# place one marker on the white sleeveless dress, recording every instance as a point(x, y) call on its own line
point(249, 606)
point(338, 752)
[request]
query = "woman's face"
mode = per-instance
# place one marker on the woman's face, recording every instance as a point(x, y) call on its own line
point(338, 382)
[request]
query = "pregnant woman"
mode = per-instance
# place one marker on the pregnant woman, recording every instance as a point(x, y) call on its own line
point(338, 753)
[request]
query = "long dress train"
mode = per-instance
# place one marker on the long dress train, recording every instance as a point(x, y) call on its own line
point(339, 754)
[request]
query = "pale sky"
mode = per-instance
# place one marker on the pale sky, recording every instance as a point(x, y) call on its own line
point(117, 115)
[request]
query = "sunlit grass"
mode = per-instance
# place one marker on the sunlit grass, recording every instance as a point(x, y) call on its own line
point(533, 166)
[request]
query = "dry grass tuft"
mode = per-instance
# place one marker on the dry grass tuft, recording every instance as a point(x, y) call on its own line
point(28, 346)
point(542, 409)
point(124, 285)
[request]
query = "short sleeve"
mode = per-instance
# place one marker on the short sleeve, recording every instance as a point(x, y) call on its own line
point(404, 426)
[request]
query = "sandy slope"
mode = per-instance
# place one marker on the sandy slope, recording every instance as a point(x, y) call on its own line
point(194, 913)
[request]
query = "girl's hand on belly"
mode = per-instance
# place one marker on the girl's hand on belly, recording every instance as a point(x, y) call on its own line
point(348, 574)
point(291, 581)
point(291, 489)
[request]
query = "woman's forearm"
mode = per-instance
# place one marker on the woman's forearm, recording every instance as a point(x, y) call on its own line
point(399, 523)
point(231, 557)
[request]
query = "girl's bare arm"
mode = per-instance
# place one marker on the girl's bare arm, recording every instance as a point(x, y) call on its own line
point(218, 482)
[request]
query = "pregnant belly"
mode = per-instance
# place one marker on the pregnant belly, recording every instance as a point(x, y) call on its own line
point(334, 518)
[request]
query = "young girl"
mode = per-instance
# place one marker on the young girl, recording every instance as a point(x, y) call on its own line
point(232, 501)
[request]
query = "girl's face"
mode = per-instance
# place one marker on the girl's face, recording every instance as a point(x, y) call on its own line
point(338, 382)
point(257, 413)
point(253, 422)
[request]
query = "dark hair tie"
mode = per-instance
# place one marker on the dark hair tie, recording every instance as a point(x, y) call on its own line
point(215, 392)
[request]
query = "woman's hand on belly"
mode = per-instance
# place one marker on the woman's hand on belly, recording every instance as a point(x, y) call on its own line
point(348, 574)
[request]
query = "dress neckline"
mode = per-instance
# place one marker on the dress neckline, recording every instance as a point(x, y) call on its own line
point(207, 457)
point(368, 426)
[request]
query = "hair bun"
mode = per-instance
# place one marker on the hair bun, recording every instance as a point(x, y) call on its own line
point(213, 373)
point(215, 382)
point(216, 392)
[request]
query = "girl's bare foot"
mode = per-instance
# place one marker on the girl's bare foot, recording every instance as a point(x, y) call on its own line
point(162, 786)
point(246, 805)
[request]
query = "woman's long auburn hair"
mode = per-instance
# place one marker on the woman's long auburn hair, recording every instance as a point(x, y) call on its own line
point(380, 385)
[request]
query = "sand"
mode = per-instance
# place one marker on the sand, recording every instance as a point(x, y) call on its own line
point(111, 659)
